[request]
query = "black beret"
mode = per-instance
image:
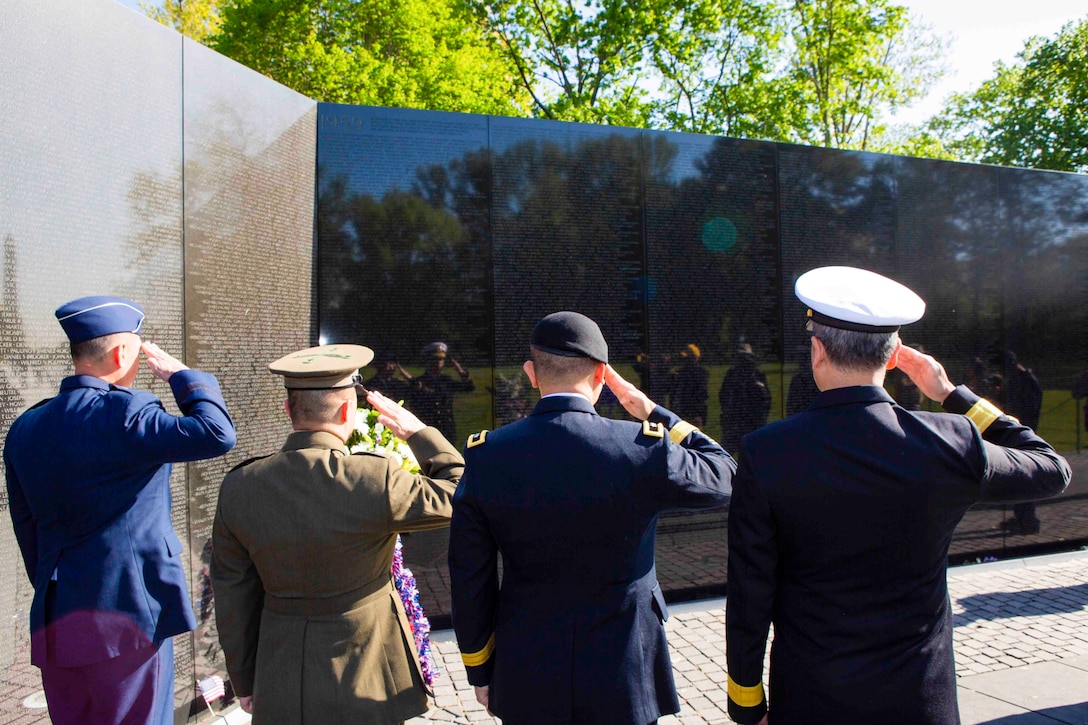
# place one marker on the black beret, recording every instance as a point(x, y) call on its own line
point(571, 335)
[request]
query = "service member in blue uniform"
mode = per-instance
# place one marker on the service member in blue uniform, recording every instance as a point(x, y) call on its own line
point(574, 633)
point(842, 516)
point(88, 479)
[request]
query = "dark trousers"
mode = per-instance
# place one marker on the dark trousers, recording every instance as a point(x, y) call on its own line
point(135, 688)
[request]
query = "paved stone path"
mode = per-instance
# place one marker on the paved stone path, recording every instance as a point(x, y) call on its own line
point(1019, 625)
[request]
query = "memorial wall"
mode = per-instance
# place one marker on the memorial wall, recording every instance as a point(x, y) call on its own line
point(468, 229)
point(140, 164)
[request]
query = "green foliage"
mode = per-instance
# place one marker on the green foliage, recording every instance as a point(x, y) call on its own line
point(1032, 113)
point(198, 19)
point(406, 53)
point(854, 60)
point(577, 63)
point(716, 62)
point(812, 71)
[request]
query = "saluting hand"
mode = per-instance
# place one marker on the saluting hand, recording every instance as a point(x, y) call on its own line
point(162, 364)
point(633, 400)
point(399, 420)
point(925, 372)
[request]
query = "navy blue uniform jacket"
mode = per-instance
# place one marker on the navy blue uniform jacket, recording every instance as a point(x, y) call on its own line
point(839, 530)
point(575, 632)
point(88, 479)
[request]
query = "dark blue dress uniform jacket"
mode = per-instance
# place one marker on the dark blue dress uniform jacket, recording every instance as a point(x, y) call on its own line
point(88, 479)
point(575, 632)
point(839, 530)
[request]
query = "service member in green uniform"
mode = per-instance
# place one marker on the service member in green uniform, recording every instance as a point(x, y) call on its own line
point(311, 626)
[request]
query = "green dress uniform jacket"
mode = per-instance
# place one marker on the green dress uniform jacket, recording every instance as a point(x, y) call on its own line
point(303, 540)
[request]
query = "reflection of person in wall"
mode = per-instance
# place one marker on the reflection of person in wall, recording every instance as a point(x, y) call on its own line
point(977, 377)
point(841, 518)
point(654, 375)
point(745, 398)
point(1023, 399)
point(1080, 390)
point(690, 387)
point(385, 379)
point(803, 388)
point(88, 477)
point(431, 395)
point(312, 628)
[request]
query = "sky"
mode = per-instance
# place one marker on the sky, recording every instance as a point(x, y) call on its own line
point(980, 32)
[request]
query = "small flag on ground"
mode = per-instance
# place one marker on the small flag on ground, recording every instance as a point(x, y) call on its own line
point(212, 689)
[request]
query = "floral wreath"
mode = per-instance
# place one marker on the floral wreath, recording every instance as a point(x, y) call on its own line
point(371, 436)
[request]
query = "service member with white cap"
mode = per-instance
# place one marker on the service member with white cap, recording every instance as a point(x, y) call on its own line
point(842, 516)
point(311, 627)
point(88, 478)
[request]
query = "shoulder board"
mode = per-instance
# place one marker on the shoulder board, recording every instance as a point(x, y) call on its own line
point(367, 453)
point(653, 430)
point(121, 389)
point(247, 462)
point(40, 403)
point(476, 439)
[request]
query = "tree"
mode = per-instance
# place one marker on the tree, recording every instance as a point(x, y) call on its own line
point(716, 62)
point(406, 53)
point(1032, 113)
point(198, 19)
point(855, 59)
point(578, 62)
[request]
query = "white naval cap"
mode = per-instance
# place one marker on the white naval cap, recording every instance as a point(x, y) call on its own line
point(856, 299)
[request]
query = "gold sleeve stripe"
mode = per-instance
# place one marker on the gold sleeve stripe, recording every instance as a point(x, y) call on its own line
point(680, 431)
point(745, 696)
point(983, 413)
point(475, 659)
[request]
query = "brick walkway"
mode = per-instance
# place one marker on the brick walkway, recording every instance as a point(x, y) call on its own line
point(1028, 614)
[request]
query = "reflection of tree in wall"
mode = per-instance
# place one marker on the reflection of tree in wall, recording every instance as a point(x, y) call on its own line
point(949, 247)
point(836, 209)
point(713, 295)
point(568, 235)
point(412, 267)
point(1047, 220)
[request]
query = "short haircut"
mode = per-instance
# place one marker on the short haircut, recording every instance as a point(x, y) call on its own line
point(96, 349)
point(316, 406)
point(851, 350)
point(561, 370)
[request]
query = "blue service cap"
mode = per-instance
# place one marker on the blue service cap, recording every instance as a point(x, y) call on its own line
point(98, 315)
point(569, 334)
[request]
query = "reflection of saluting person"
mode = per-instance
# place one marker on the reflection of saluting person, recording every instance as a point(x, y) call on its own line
point(88, 476)
point(842, 515)
point(575, 632)
point(385, 379)
point(432, 392)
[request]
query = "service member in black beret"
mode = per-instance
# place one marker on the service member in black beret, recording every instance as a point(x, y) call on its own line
point(572, 499)
point(842, 515)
